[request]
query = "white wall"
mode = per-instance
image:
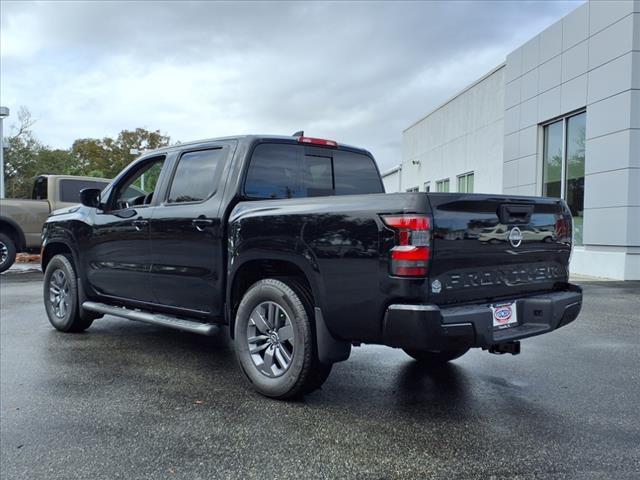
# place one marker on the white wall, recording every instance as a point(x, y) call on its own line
point(391, 180)
point(465, 134)
point(589, 59)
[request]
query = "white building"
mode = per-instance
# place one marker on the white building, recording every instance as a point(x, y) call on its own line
point(391, 179)
point(561, 117)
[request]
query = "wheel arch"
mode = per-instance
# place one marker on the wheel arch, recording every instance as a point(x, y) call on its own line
point(55, 247)
point(329, 348)
point(10, 227)
point(253, 269)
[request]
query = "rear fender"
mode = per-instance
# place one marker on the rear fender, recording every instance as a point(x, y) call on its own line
point(330, 349)
point(12, 228)
point(312, 276)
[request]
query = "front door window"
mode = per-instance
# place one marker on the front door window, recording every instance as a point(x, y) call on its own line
point(138, 187)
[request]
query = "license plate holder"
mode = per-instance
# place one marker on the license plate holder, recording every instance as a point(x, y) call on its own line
point(505, 315)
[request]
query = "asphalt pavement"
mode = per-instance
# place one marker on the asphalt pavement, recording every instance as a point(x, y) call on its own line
point(134, 401)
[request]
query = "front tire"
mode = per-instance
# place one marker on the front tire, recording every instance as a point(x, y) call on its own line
point(61, 296)
point(433, 357)
point(7, 252)
point(275, 341)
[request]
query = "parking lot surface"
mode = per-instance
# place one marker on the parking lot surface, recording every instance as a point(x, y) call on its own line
point(128, 400)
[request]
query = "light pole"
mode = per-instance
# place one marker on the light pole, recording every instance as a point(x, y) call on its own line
point(4, 112)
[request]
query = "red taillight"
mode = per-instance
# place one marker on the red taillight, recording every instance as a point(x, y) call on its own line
point(563, 230)
point(318, 141)
point(409, 222)
point(410, 253)
point(410, 256)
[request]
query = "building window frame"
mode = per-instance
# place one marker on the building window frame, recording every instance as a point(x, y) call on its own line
point(440, 184)
point(578, 239)
point(466, 181)
point(563, 173)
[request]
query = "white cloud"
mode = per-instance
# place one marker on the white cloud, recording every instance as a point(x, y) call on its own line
point(357, 72)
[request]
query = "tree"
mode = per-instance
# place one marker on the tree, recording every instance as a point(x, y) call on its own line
point(109, 156)
point(91, 156)
point(58, 162)
point(21, 157)
point(26, 158)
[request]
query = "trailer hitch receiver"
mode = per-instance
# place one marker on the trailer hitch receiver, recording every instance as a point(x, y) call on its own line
point(509, 347)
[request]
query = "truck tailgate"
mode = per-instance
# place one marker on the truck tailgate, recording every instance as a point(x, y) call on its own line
point(492, 246)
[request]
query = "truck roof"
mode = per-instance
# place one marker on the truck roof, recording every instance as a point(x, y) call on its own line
point(73, 177)
point(248, 139)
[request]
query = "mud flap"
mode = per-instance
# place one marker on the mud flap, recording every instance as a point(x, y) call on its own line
point(330, 350)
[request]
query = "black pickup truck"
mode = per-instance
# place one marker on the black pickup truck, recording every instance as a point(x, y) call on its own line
point(292, 243)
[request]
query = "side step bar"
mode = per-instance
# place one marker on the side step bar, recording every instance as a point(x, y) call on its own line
point(153, 318)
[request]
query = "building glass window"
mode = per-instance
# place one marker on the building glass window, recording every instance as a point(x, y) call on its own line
point(442, 185)
point(552, 160)
point(574, 182)
point(465, 183)
point(563, 166)
point(427, 187)
point(412, 189)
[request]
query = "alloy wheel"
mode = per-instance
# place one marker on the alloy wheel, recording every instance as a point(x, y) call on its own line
point(4, 253)
point(270, 338)
point(59, 293)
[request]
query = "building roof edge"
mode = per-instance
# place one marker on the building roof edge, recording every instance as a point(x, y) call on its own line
point(465, 89)
point(391, 170)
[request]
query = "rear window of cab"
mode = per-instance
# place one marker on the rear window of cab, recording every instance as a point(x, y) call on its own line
point(278, 170)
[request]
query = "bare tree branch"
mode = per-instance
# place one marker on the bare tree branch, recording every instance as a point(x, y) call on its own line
point(25, 123)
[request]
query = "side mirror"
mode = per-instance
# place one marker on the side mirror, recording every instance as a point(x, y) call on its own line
point(90, 197)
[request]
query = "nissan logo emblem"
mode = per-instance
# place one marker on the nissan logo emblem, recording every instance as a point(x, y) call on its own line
point(515, 237)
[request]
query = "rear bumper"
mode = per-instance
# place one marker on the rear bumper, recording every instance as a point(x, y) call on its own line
point(429, 327)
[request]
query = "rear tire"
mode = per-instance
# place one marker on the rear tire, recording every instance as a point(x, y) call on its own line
point(433, 357)
point(275, 340)
point(60, 293)
point(7, 252)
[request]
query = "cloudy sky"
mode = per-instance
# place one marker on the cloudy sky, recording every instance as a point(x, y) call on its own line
point(356, 72)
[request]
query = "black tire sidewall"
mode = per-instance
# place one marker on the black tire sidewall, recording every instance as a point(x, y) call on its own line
point(280, 293)
point(71, 319)
point(11, 252)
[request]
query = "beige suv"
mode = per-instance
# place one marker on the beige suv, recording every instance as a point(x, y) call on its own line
point(21, 220)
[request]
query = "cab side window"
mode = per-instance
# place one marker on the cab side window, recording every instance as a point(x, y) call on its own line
point(196, 176)
point(70, 188)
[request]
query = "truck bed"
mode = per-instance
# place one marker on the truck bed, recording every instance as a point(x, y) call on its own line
point(348, 244)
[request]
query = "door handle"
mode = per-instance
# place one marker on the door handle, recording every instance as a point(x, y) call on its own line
point(140, 224)
point(201, 223)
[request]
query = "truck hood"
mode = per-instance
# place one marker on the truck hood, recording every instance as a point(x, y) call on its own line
point(62, 211)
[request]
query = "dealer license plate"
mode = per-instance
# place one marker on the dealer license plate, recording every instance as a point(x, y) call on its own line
point(505, 315)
